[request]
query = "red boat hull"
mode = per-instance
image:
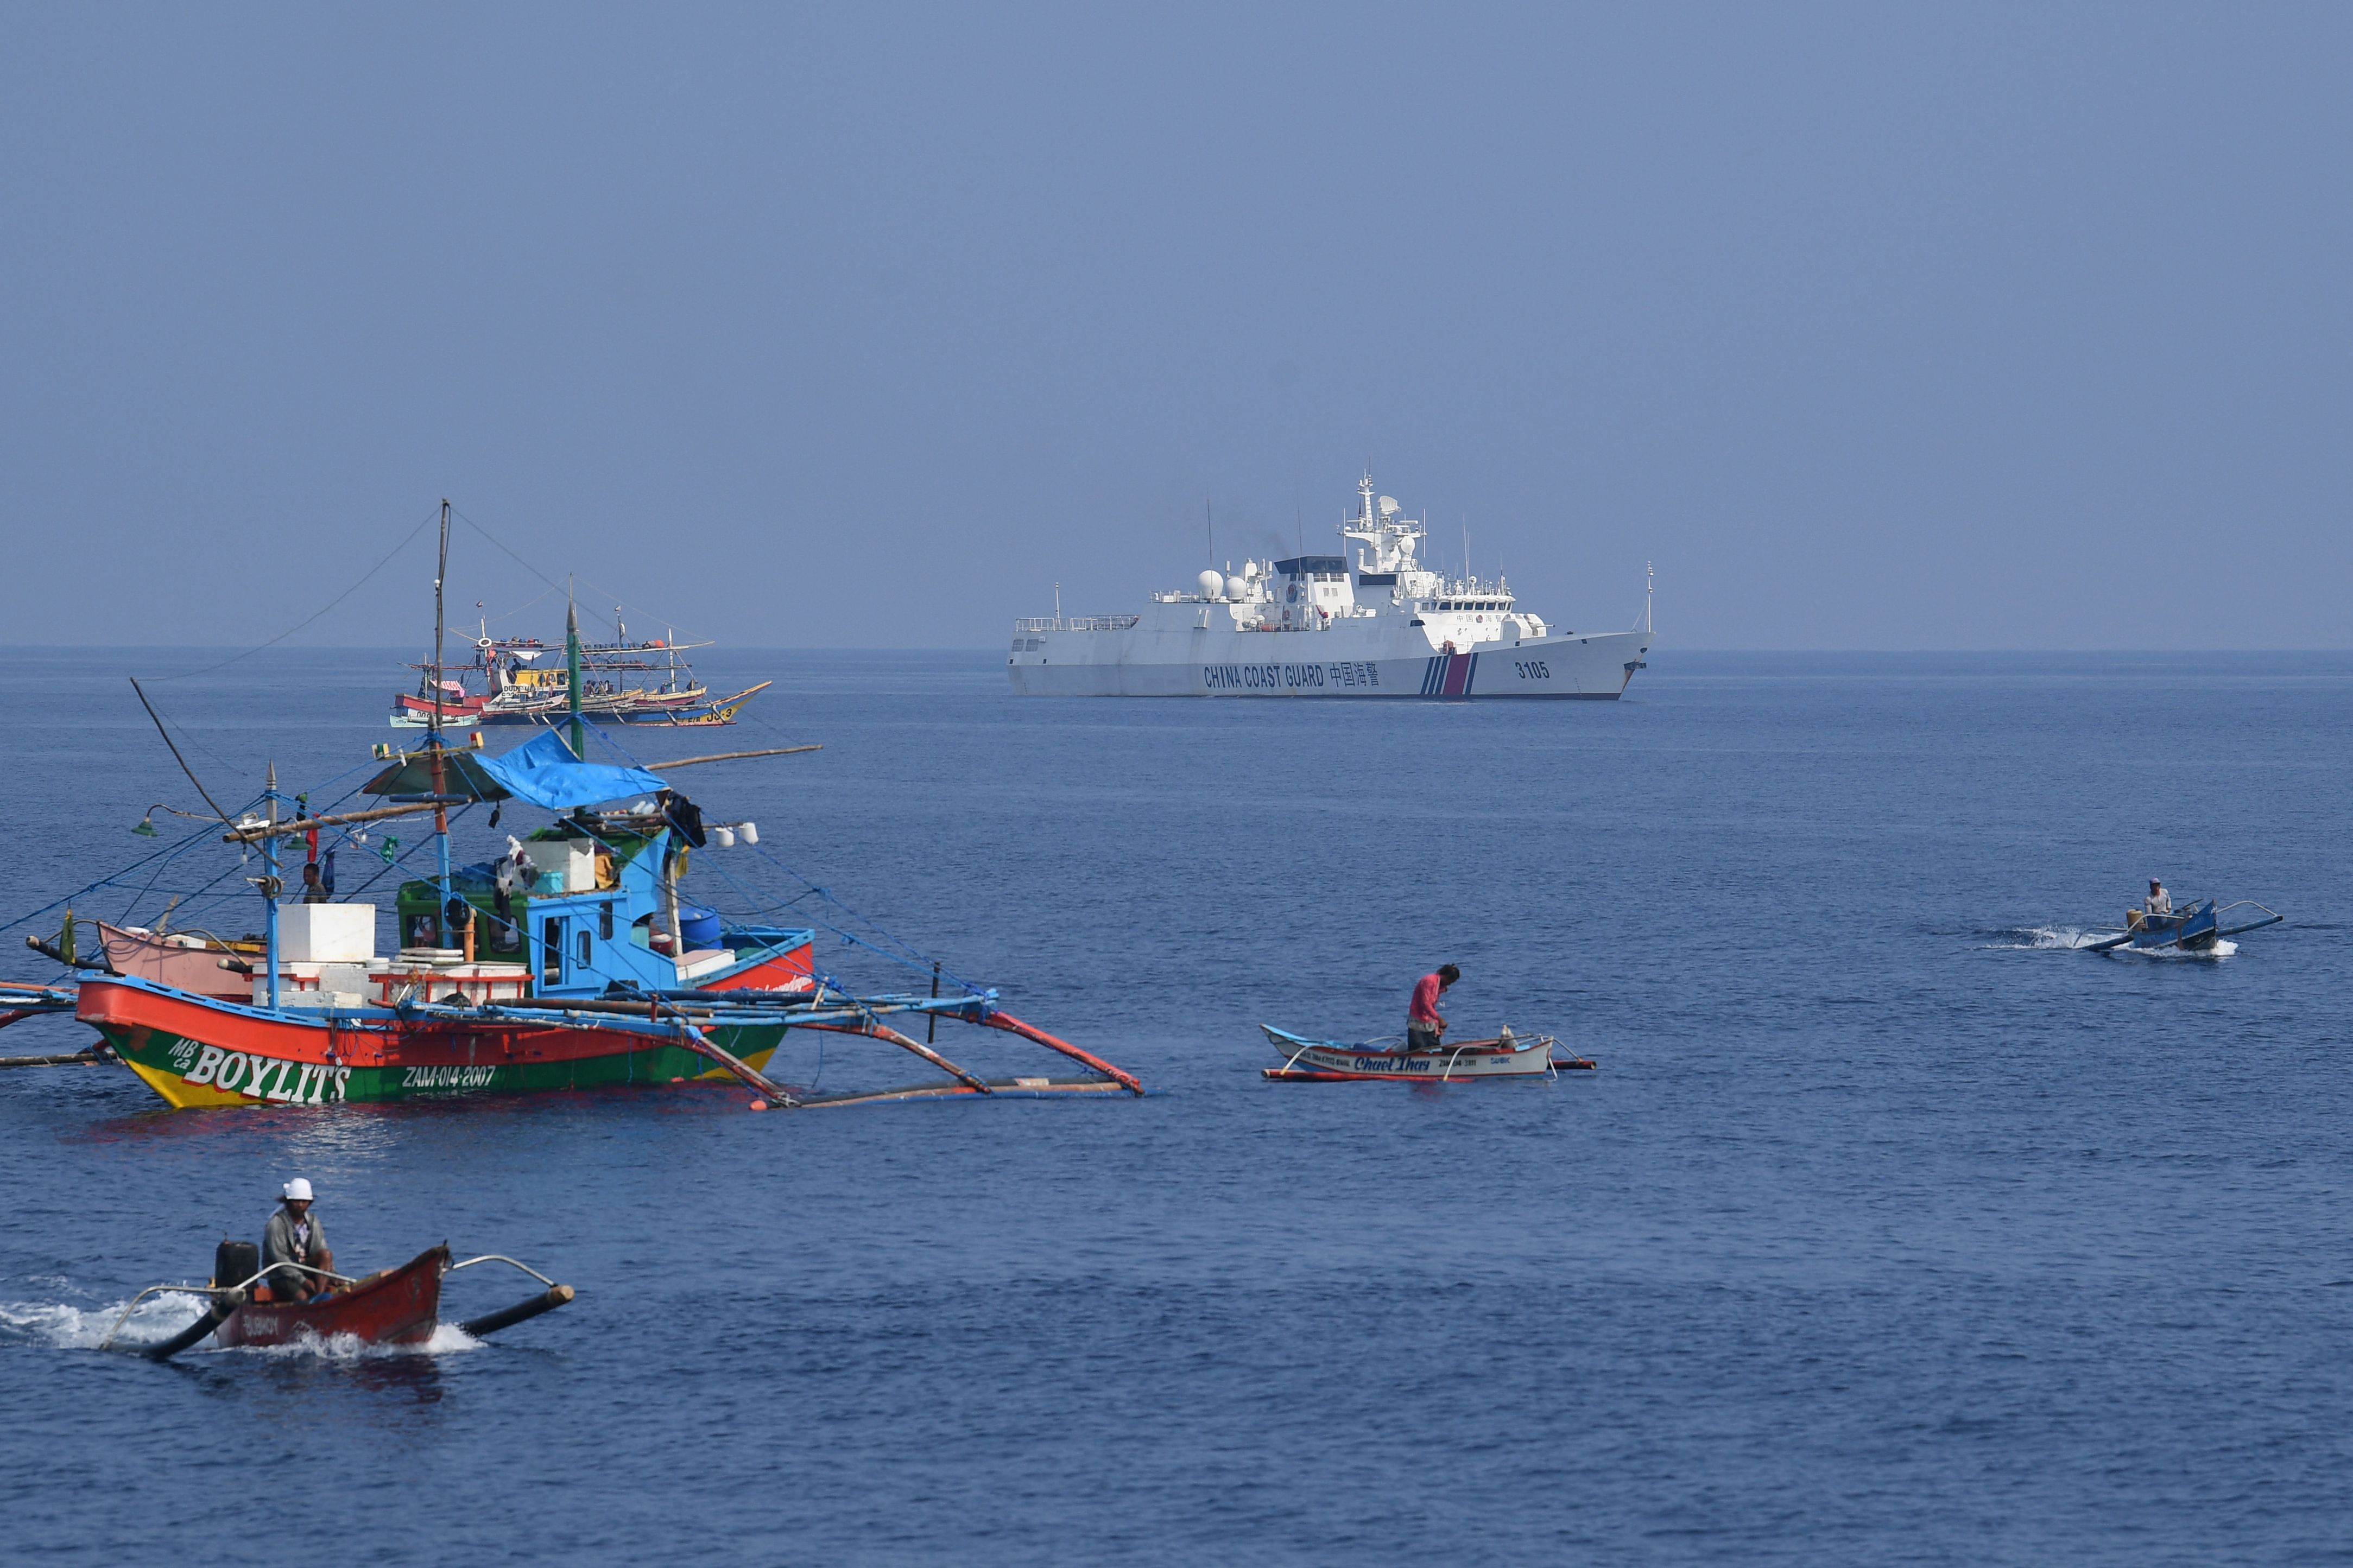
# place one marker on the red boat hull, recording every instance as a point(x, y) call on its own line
point(398, 1307)
point(454, 710)
point(196, 1052)
point(795, 969)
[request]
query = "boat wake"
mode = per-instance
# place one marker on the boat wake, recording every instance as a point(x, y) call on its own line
point(2041, 939)
point(157, 1319)
point(448, 1338)
point(2072, 939)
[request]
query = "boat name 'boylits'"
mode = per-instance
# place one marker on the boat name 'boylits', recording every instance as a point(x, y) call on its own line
point(298, 1083)
point(1382, 624)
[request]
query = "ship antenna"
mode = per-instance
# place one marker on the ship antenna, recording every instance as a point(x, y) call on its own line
point(1210, 511)
point(1058, 607)
point(1650, 578)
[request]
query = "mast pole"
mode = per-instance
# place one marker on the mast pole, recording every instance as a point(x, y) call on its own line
point(269, 892)
point(439, 573)
point(433, 742)
point(572, 678)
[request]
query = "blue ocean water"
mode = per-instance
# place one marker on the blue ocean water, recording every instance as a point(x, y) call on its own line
point(1890, 1229)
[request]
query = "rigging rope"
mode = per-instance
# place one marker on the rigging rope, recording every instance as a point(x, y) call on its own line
point(190, 674)
point(906, 953)
point(551, 582)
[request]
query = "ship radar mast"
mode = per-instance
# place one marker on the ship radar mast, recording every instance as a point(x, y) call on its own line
point(1382, 523)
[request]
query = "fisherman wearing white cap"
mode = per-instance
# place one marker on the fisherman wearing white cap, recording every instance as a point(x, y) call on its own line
point(295, 1236)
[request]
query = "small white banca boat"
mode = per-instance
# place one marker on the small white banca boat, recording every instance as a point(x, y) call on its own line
point(1339, 1061)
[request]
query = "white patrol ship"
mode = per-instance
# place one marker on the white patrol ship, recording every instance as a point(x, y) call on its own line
point(1311, 626)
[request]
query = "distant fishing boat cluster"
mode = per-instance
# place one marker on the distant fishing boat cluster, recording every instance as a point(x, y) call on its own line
point(522, 680)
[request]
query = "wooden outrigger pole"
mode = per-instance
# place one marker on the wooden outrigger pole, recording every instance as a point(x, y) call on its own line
point(849, 1016)
point(743, 1071)
point(875, 1028)
point(1013, 1026)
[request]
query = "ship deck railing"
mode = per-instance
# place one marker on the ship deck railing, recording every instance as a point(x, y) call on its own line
point(1075, 623)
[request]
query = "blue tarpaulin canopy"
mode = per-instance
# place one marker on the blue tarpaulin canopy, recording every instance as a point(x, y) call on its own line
point(544, 771)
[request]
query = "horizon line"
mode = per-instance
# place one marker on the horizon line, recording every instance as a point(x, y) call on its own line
point(213, 648)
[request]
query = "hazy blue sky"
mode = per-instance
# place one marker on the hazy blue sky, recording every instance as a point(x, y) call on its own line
point(1881, 326)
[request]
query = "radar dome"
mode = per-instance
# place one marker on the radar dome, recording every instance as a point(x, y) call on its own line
point(1238, 587)
point(1388, 506)
point(1212, 584)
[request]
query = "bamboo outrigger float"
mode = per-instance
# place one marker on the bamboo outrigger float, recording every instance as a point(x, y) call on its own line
point(571, 964)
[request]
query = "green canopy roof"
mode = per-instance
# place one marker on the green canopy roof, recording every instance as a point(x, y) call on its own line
point(459, 775)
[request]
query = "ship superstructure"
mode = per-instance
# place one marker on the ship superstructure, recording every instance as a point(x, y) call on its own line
point(1317, 626)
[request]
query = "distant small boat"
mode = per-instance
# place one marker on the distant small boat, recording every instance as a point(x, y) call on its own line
point(2194, 928)
point(1340, 1061)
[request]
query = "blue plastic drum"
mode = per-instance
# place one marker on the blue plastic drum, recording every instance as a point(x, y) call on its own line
point(698, 925)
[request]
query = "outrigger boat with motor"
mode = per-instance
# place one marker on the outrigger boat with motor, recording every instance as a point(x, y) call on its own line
point(1340, 1061)
point(391, 1307)
point(2194, 928)
point(574, 963)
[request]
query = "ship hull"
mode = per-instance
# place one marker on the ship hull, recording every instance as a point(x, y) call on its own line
point(194, 1051)
point(1207, 662)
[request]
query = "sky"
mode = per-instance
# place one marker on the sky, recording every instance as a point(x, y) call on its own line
point(1869, 327)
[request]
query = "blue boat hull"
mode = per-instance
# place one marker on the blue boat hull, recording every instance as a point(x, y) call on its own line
point(2191, 928)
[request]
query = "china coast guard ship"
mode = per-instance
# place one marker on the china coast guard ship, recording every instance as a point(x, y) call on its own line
point(1313, 627)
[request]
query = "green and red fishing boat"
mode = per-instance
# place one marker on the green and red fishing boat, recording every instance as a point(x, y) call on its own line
point(572, 962)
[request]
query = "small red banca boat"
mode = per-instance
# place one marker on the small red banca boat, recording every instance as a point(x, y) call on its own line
point(391, 1307)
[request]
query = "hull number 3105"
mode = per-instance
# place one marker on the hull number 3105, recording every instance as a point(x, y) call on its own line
point(1532, 669)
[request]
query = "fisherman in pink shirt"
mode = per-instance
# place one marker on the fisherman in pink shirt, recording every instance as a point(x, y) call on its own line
point(1424, 1028)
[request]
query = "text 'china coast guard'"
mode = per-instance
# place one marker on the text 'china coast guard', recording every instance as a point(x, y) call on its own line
point(1315, 626)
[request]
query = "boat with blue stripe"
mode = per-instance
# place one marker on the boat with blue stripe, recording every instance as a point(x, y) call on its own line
point(2196, 927)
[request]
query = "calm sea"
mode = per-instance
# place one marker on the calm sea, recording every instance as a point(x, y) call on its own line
point(1891, 1229)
